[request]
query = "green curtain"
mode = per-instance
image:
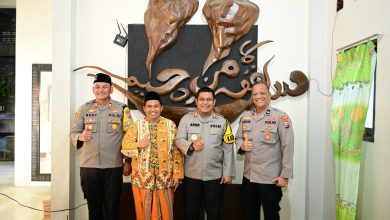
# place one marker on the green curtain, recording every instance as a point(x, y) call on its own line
point(352, 84)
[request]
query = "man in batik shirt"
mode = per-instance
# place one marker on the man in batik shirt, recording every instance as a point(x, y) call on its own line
point(156, 163)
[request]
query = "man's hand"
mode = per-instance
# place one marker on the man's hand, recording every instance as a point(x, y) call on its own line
point(86, 135)
point(126, 169)
point(281, 181)
point(247, 145)
point(198, 144)
point(144, 142)
point(175, 184)
point(226, 180)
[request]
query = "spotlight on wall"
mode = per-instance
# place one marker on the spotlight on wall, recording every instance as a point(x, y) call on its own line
point(119, 39)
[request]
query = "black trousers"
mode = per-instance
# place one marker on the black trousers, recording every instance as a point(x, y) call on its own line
point(102, 188)
point(198, 191)
point(256, 195)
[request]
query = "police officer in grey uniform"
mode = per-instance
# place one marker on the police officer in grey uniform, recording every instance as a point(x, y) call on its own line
point(205, 138)
point(97, 131)
point(266, 137)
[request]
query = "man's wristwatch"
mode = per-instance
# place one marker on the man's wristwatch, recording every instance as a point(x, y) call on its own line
point(191, 148)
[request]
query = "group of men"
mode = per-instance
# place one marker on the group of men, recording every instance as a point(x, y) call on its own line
point(199, 153)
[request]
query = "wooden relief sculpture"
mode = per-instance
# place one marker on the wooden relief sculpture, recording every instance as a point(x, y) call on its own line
point(175, 113)
point(228, 21)
point(163, 22)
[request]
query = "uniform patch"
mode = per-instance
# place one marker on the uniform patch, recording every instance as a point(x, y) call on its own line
point(90, 120)
point(89, 127)
point(286, 124)
point(115, 111)
point(194, 137)
point(270, 122)
point(267, 136)
point(247, 118)
point(127, 112)
point(114, 126)
point(77, 115)
point(215, 126)
point(271, 118)
point(91, 110)
point(228, 137)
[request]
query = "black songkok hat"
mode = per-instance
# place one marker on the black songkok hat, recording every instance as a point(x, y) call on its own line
point(101, 77)
point(152, 96)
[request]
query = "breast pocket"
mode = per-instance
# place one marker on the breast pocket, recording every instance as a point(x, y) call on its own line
point(246, 126)
point(216, 135)
point(90, 124)
point(269, 134)
point(114, 125)
point(194, 133)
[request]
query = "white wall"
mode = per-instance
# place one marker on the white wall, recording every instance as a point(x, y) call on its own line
point(357, 20)
point(319, 175)
point(33, 45)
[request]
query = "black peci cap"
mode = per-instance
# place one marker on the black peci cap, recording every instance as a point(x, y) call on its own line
point(152, 96)
point(101, 77)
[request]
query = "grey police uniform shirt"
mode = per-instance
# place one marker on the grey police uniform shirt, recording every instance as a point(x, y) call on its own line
point(105, 124)
point(217, 157)
point(272, 139)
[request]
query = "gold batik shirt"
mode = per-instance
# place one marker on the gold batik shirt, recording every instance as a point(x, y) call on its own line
point(155, 166)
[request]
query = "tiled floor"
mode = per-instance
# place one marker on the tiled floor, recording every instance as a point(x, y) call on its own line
point(28, 196)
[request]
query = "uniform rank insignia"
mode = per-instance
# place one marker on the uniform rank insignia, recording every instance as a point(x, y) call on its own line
point(267, 136)
point(91, 110)
point(268, 128)
point(286, 124)
point(228, 137)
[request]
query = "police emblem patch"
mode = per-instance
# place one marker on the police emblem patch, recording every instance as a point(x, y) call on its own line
point(228, 137)
point(267, 136)
point(194, 137)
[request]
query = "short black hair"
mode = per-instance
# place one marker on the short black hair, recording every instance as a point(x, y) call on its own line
point(205, 89)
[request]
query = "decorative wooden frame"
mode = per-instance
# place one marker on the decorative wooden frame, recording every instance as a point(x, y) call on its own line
point(36, 175)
